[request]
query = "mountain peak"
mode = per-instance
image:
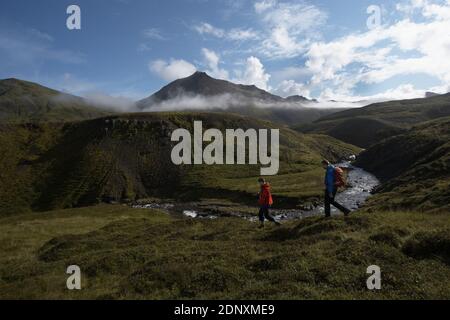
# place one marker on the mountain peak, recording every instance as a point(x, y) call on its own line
point(200, 74)
point(298, 98)
point(201, 84)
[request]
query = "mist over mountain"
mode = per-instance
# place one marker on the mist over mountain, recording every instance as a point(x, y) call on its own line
point(201, 84)
point(214, 90)
point(24, 101)
point(202, 92)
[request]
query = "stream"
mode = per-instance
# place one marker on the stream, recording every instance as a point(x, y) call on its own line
point(360, 185)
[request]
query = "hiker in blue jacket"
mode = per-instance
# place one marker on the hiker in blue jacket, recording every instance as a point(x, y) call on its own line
point(331, 187)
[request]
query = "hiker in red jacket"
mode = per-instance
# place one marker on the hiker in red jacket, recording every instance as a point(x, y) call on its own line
point(265, 201)
point(333, 180)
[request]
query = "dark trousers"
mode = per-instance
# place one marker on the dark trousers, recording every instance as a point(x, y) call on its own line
point(330, 201)
point(264, 213)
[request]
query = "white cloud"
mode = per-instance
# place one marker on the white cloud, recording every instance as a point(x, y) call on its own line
point(254, 74)
point(417, 43)
point(286, 28)
point(153, 34)
point(173, 69)
point(291, 73)
point(403, 91)
point(438, 11)
point(290, 26)
point(235, 34)
point(242, 34)
point(426, 8)
point(206, 28)
point(404, 48)
point(290, 88)
point(264, 5)
point(213, 62)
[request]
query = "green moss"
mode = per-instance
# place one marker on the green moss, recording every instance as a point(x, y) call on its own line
point(429, 245)
point(142, 254)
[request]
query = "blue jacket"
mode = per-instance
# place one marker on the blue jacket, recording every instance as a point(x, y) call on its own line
point(329, 179)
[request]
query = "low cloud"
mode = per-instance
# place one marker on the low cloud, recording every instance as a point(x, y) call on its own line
point(402, 92)
point(224, 102)
point(290, 88)
point(98, 100)
point(108, 102)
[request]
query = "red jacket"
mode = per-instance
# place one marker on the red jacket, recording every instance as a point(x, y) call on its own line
point(265, 197)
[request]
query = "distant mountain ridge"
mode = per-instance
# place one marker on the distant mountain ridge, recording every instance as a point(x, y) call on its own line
point(202, 92)
point(368, 125)
point(24, 101)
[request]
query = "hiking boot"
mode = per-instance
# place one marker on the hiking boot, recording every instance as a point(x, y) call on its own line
point(261, 226)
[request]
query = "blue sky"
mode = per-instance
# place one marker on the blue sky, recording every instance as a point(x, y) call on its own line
point(322, 49)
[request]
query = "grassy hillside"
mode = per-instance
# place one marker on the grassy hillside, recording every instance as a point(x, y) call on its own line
point(284, 115)
point(368, 125)
point(414, 166)
point(129, 253)
point(128, 157)
point(23, 101)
